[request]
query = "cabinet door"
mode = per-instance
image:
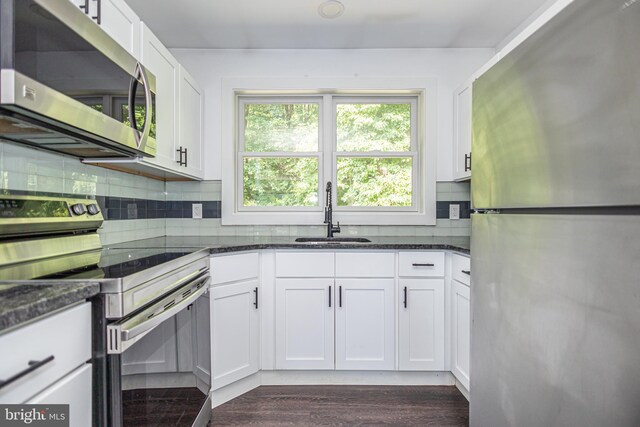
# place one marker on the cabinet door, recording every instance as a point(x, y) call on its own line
point(164, 66)
point(122, 24)
point(190, 115)
point(74, 390)
point(304, 323)
point(462, 132)
point(421, 329)
point(461, 332)
point(365, 326)
point(235, 339)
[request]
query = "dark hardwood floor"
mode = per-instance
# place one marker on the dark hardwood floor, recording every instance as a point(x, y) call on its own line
point(345, 406)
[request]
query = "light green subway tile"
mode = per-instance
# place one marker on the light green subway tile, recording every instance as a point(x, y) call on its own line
point(460, 187)
point(443, 187)
point(443, 223)
point(460, 232)
point(50, 184)
point(447, 197)
point(262, 230)
point(227, 230)
point(461, 223)
point(425, 231)
point(280, 230)
point(406, 230)
point(438, 232)
point(191, 195)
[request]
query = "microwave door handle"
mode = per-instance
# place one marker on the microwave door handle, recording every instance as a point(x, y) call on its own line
point(133, 86)
point(122, 336)
point(148, 104)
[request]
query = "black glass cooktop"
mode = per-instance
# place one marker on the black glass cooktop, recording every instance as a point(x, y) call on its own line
point(104, 264)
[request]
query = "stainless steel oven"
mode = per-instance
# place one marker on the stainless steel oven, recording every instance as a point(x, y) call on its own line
point(159, 361)
point(66, 86)
point(151, 346)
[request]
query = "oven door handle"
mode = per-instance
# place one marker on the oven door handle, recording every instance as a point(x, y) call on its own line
point(122, 335)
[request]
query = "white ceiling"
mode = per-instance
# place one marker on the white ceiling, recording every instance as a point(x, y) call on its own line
point(295, 24)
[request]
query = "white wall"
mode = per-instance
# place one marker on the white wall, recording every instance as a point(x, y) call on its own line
point(449, 66)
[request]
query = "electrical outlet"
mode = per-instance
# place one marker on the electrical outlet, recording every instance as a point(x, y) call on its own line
point(196, 211)
point(454, 211)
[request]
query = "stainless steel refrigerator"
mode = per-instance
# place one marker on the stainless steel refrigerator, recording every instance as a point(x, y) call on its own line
point(555, 246)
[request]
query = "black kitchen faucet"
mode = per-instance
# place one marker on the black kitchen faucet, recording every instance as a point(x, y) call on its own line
point(328, 214)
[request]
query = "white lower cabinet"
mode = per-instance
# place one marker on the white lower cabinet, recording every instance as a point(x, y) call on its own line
point(73, 390)
point(421, 325)
point(365, 338)
point(159, 354)
point(235, 338)
point(304, 323)
point(461, 332)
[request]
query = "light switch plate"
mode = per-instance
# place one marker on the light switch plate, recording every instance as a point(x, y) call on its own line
point(454, 211)
point(196, 210)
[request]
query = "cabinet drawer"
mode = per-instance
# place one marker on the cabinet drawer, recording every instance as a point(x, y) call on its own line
point(74, 390)
point(66, 336)
point(421, 264)
point(231, 268)
point(305, 264)
point(365, 264)
point(460, 264)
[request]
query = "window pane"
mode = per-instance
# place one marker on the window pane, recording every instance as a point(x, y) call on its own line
point(373, 127)
point(370, 181)
point(280, 127)
point(139, 113)
point(280, 181)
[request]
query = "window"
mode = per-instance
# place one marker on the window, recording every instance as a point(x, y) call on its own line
point(375, 146)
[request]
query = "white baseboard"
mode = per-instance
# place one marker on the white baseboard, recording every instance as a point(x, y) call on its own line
point(238, 388)
point(463, 390)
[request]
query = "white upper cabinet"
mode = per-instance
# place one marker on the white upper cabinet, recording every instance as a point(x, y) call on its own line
point(117, 19)
point(462, 132)
point(157, 58)
point(190, 115)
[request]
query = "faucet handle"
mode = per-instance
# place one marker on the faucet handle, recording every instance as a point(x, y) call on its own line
point(336, 229)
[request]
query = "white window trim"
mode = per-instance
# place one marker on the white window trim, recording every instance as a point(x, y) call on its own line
point(425, 88)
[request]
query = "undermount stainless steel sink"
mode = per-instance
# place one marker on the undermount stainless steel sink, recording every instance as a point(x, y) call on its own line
point(334, 240)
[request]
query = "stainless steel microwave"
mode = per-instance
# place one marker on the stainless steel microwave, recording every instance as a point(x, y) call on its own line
point(66, 86)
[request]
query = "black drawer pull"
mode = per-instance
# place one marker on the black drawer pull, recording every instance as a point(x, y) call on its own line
point(423, 265)
point(256, 301)
point(329, 296)
point(405, 297)
point(33, 365)
point(467, 272)
point(340, 296)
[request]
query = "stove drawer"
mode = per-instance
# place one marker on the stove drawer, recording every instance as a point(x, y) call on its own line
point(57, 344)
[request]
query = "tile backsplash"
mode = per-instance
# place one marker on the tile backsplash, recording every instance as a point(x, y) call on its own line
point(136, 207)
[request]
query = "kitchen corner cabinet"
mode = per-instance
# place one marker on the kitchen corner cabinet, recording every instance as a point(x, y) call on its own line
point(117, 19)
point(461, 320)
point(235, 318)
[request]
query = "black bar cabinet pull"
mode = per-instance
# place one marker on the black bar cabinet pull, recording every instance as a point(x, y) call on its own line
point(339, 296)
point(423, 265)
point(186, 157)
point(182, 152)
point(405, 297)
point(85, 6)
point(33, 365)
point(329, 296)
point(98, 16)
point(256, 301)
point(467, 162)
point(467, 272)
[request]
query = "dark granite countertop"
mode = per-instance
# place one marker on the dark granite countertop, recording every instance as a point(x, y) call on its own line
point(221, 244)
point(22, 302)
